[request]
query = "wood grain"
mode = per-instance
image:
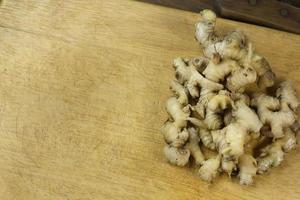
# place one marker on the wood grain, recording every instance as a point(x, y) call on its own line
point(292, 2)
point(82, 92)
point(271, 13)
point(190, 5)
point(279, 14)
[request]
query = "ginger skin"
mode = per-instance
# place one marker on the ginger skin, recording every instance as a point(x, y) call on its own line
point(217, 72)
point(209, 169)
point(213, 120)
point(229, 46)
point(180, 92)
point(247, 163)
point(219, 139)
point(222, 114)
point(173, 136)
point(189, 76)
point(241, 97)
point(236, 133)
point(287, 95)
point(289, 141)
point(177, 112)
point(240, 79)
point(221, 101)
point(206, 139)
point(200, 63)
point(232, 46)
point(205, 28)
point(204, 98)
point(228, 118)
point(193, 146)
point(278, 120)
point(273, 154)
point(228, 166)
point(248, 168)
point(217, 103)
point(177, 156)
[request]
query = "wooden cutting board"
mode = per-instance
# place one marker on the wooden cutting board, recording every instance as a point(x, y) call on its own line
point(82, 92)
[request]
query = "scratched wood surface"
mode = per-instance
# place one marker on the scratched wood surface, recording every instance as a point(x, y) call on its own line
point(82, 92)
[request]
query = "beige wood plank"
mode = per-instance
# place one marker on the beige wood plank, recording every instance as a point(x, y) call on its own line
point(82, 92)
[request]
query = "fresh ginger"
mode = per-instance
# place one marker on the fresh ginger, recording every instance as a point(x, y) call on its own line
point(246, 121)
point(266, 76)
point(221, 101)
point(209, 169)
point(177, 156)
point(228, 166)
point(241, 97)
point(232, 46)
point(246, 117)
point(199, 63)
point(219, 138)
point(229, 46)
point(273, 154)
point(228, 118)
point(295, 127)
point(202, 103)
point(217, 72)
point(193, 146)
point(206, 139)
point(240, 79)
point(287, 95)
point(173, 136)
point(205, 28)
point(289, 141)
point(177, 112)
point(213, 120)
point(217, 103)
point(271, 112)
point(180, 91)
point(247, 164)
point(193, 79)
point(221, 104)
point(248, 168)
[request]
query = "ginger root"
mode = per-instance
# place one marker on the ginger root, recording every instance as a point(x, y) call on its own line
point(206, 139)
point(193, 146)
point(173, 136)
point(221, 104)
point(273, 154)
point(177, 112)
point(273, 112)
point(180, 92)
point(247, 165)
point(209, 169)
point(246, 121)
point(217, 72)
point(287, 96)
point(233, 46)
point(177, 156)
point(192, 79)
point(228, 166)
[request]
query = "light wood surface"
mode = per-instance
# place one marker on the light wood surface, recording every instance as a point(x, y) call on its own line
point(82, 92)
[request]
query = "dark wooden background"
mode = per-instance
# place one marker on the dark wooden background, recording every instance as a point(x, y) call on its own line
point(279, 14)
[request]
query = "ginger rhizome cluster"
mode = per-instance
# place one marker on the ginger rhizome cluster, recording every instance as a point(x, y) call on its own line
point(224, 115)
